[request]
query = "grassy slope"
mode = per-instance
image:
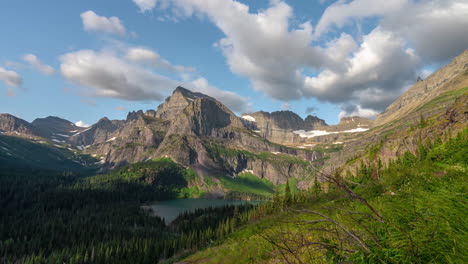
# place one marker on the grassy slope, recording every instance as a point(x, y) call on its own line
point(425, 218)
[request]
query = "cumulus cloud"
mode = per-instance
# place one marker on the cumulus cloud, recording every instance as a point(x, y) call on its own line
point(81, 124)
point(37, 64)
point(357, 110)
point(145, 5)
point(94, 22)
point(435, 29)
point(339, 13)
point(152, 58)
point(108, 75)
point(377, 70)
point(368, 72)
point(122, 75)
point(10, 78)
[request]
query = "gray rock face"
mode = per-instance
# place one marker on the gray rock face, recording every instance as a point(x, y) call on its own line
point(204, 117)
point(177, 102)
point(10, 124)
point(352, 122)
point(97, 133)
point(278, 126)
point(450, 77)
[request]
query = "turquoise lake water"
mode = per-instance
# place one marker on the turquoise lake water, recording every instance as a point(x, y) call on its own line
point(170, 209)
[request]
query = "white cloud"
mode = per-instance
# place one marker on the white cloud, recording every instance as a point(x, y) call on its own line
point(94, 22)
point(145, 5)
point(152, 58)
point(232, 100)
point(36, 63)
point(373, 75)
point(106, 74)
point(112, 74)
point(367, 71)
point(359, 111)
point(10, 78)
point(341, 12)
point(435, 29)
point(81, 124)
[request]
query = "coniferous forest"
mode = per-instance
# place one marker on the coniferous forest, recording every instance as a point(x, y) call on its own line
point(65, 217)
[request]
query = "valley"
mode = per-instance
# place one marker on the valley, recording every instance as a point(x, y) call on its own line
point(261, 187)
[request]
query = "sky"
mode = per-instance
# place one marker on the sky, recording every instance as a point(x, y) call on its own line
point(83, 60)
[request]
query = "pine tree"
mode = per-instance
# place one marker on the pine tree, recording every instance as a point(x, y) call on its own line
point(317, 188)
point(287, 195)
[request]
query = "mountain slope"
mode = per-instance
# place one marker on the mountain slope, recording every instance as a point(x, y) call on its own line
point(451, 77)
point(57, 128)
point(22, 153)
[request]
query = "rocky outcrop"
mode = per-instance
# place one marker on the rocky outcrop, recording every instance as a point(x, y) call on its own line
point(450, 77)
point(349, 123)
point(100, 132)
point(12, 125)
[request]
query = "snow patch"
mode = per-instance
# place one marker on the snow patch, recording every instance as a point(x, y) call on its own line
point(82, 131)
point(62, 135)
point(276, 153)
point(312, 133)
point(359, 129)
point(316, 133)
point(249, 118)
point(257, 131)
point(58, 141)
point(338, 142)
point(111, 139)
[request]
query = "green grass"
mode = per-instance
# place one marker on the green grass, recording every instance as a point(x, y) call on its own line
point(424, 203)
point(443, 99)
point(248, 183)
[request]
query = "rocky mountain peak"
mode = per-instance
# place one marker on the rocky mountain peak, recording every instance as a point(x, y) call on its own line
point(56, 128)
point(204, 117)
point(313, 122)
point(18, 126)
point(134, 115)
point(180, 98)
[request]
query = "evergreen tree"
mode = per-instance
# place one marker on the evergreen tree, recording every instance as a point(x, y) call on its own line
point(287, 195)
point(317, 188)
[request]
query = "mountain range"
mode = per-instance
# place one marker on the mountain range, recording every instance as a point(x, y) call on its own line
point(197, 131)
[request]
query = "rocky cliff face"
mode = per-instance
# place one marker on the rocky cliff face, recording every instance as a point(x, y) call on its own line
point(97, 133)
point(450, 77)
point(279, 126)
point(175, 103)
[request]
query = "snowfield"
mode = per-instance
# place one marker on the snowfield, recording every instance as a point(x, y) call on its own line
point(316, 133)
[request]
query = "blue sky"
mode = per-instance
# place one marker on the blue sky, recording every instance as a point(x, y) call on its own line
point(82, 60)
